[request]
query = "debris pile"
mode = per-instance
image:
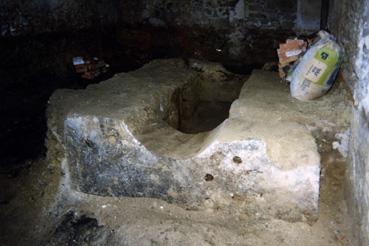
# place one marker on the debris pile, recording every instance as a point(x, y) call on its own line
point(289, 53)
point(90, 68)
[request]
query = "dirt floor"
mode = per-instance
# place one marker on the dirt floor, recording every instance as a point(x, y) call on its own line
point(31, 216)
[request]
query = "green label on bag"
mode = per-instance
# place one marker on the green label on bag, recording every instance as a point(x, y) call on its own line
point(327, 60)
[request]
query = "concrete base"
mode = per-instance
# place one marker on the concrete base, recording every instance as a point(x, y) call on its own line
point(262, 159)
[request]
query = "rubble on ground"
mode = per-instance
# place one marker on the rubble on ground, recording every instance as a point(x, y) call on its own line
point(90, 68)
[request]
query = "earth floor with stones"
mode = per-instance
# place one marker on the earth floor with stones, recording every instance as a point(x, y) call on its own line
point(94, 220)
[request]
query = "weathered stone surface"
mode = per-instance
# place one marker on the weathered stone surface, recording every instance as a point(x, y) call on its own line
point(122, 147)
point(117, 144)
point(349, 22)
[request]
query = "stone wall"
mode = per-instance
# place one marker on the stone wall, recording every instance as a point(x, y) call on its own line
point(39, 16)
point(308, 15)
point(234, 30)
point(216, 13)
point(349, 20)
point(228, 31)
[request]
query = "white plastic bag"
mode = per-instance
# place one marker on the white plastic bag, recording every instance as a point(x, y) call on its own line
point(317, 70)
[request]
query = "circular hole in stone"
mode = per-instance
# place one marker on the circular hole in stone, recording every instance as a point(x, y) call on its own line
point(237, 160)
point(209, 177)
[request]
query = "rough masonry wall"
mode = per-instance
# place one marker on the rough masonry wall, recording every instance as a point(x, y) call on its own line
point(239, 31)
point(350, 21)
point(211, 29)
point(39, 16)
point(308, 15)
point(216, 13)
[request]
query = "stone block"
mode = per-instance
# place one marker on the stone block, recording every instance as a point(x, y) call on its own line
point(116, 143)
